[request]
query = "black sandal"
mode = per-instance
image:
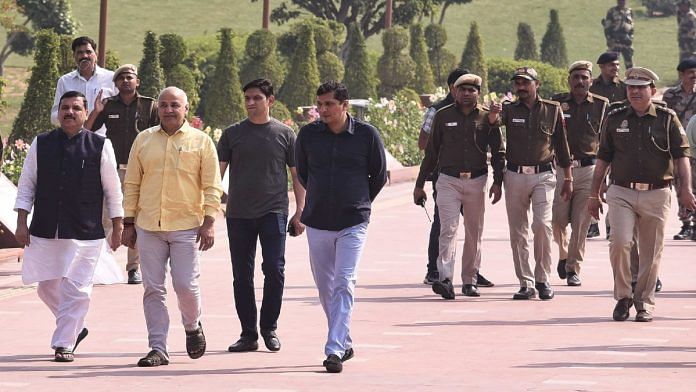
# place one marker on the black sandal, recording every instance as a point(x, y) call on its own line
point(152, 359)
point(195, 342)
point(80, 337)
point(63, 354)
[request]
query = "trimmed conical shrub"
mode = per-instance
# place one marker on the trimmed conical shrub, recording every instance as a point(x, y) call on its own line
point(526, 44)
point(423, 81)
point(303, 78)
point(360, 77)
point(442, 61)
point(35, 114)
point(150, 71)
point(553, 48)
point(472, 57)
point(396, 69)
point(261, 59)
point(224, 100)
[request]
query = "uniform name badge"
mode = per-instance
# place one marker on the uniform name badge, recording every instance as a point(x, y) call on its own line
point(114, 116)
point(518, 121)
point(623, 128)
point(451, 124)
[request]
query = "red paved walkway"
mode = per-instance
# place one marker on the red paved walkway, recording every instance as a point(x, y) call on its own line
point(406, 338)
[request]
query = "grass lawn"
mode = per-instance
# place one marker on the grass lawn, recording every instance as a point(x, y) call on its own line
point(655, 38)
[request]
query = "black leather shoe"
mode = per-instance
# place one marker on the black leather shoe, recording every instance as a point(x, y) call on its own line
point(350, 353)
point(134, 277)
point(658, 285)
point(684, 233)
point(561, 269)
point(622, 309)
point(470, 290)
point(333, 364)
point(573, 279)
point(633, 286)
point(444, 288)
point(243, 345)
point(270, 338)
point(644, 316)
point(481, 281)
point(545, 291)
point(525, 293)
point(431, 277)
point(593, 230)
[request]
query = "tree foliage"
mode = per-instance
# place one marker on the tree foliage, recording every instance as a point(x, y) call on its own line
point(172, 51)
point(150, 71)
point(553, 47)
point(526, 44)
point(303, 78)
point(553, 80)
point(35, 113)
point(261, 59)
point(423, 81)
point(472, 57)
point(442, 61)
point(396, 69)
point(21, 19)
point(360, 76)
point(224, 101)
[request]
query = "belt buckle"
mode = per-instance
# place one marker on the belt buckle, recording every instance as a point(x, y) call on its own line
point(576, 163)
point(640, 186)
point(122, 166)
point(466, 175)
point(528, 169)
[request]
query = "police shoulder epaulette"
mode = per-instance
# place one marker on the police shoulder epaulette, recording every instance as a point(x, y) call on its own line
point(560, 97)
point(659, 103)
point(664, 109)
point(614, 108)
point(549, 102)
point(444, 107)
point(599, 97)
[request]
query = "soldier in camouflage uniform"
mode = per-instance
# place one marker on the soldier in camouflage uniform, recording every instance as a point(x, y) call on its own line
point(682, 99)
point(686, 20)
point(618, 30)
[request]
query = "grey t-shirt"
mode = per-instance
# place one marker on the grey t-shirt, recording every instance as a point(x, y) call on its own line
point(257, 157)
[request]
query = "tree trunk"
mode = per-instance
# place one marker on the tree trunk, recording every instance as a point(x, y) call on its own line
point(442, 12)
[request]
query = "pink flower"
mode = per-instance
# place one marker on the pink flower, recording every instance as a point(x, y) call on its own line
point(196, 122)
point(289, 122)
point(20, 145)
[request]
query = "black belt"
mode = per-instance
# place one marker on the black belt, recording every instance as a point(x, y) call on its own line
point(544, 167)
point(642, 186)
point(583, 162)
point(464, 174)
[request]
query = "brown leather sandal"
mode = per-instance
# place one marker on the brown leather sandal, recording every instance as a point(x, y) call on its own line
point(195, 342)
point(63, 354)
point(152, 359)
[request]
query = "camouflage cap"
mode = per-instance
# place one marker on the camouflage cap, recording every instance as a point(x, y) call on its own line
point(639, 76)
point(525, 73)
point(124, 69)
point(582, 64)
point(469, 80)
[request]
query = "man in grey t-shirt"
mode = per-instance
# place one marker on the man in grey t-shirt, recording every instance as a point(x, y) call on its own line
point(258, 150)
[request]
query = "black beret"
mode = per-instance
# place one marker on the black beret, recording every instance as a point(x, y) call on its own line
point(686, 64)
point(607, 57)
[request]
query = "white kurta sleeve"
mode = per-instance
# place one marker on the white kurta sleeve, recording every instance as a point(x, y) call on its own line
point(110, 181)
point(60, 90)
point(26, 187)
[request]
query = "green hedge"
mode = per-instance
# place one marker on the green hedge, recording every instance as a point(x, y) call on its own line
point(553, 80)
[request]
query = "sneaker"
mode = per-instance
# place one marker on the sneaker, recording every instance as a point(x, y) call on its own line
point(684, 233)
point(573, 279)
point(134, 277)
point(431, 277)
point(444, 288)
point(593, 230)
point(470, 290)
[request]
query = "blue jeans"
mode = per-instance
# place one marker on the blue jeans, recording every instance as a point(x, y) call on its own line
point(334, 258)
point(242, 234)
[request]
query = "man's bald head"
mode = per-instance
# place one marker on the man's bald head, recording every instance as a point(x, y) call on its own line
point(172, 107)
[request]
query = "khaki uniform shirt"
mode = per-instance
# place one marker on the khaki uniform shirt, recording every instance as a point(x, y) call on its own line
point(534, 137)
point(124, 122)
point(459, 143)
point(614, 90)
point(583, 122)
point(641, 149)
point(682, 102)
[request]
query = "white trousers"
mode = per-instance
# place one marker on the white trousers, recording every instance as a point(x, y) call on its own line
point(69, 304)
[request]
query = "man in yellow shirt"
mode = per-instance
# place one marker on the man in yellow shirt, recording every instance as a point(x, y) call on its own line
point(172, 194)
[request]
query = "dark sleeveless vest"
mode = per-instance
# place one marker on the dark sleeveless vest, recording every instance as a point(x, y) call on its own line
point(69, 195)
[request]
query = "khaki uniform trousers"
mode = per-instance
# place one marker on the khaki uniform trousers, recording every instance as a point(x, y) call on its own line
point(520, 191)
point(643, 214)
point(469, 197)
point(573, 211)
point(133, 262)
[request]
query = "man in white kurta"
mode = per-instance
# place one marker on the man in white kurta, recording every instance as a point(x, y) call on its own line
point(66, 176)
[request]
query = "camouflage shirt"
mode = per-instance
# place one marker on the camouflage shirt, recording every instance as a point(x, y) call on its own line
point(618, 27)
point(682, 102)
point(687, 33)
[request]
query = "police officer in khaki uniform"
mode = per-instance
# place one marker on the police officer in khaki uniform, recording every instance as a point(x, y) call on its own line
point(535, 135)
point(643, 143)
point(461, 135)
point(583, 113)
point(608, 84)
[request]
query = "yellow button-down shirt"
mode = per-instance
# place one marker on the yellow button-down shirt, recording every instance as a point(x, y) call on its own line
point(172, 181)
